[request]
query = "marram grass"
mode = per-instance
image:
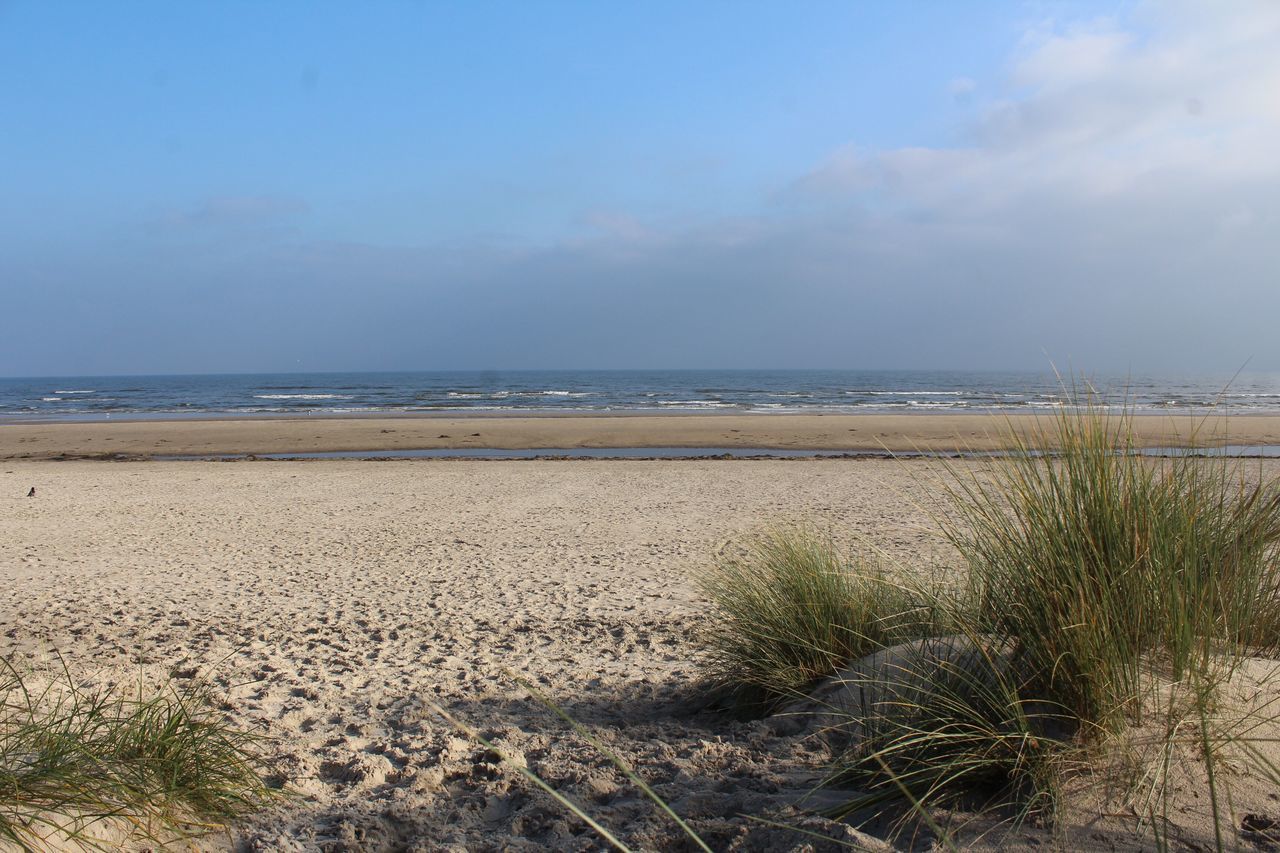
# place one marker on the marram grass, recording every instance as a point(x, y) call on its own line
point(1102, 587)
point(952, 729)
point(1098, 564)
point(790, 609)
point(76, 761)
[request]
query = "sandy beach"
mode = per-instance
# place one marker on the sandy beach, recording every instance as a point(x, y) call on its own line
point(332, 602)
point(862, 420)
point(898, 433)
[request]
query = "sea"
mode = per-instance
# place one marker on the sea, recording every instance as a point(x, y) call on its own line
point(84, 398)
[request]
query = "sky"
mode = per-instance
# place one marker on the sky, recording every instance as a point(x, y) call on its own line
point(240, 187)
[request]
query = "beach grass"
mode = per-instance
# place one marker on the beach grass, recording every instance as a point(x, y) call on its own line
point(948, 723)
point(1104, 588)
point(78, 763)
point(1111, 585)
point(1099, 564)
point(789, 609)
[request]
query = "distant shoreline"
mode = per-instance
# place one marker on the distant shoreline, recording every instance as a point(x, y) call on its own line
point(933, 432)
point(538, 414)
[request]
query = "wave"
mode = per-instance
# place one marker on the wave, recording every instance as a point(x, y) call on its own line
point(911, 393)
point(445, 407)
point(502, 395)
point(302, 396)
point(653, 391)
point(911, 404)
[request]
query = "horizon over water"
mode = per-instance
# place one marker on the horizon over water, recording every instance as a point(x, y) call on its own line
point(613, 391)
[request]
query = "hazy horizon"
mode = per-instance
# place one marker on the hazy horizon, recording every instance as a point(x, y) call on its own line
point(242, 188)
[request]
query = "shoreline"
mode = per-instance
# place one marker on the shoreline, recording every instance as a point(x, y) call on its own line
point(142, 439)
point(1180, 414)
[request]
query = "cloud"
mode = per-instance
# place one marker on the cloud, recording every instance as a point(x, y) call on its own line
point(615, 224)
point(239, 210)
point(1084, 53)
point(1095, 112)
point(1114, 201)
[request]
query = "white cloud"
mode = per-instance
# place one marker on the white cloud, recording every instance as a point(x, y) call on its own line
point(1114, 201)
point(1093, 110)
point(1080, 55)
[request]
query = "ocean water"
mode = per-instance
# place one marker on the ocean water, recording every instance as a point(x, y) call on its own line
point(780, 391)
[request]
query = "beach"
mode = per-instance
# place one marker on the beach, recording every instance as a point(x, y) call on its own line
point(335, 604)
point(641, 427)
point(332, 602)
point(867, 433)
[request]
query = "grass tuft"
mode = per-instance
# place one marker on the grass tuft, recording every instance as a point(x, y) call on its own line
point(1103, 587)
point(948, 723)
point(1098, 563)
point(790, 610)
point(73, 759)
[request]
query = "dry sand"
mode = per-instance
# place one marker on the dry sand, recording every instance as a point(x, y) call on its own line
point(809, 432)
point(331, 602)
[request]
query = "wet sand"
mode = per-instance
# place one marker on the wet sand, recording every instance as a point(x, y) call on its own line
point(897, 433)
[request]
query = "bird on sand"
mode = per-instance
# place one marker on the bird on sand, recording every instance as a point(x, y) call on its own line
point(32, 493)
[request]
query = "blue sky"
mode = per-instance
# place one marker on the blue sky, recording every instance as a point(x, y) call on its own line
point(245, 186)
point(405, 122)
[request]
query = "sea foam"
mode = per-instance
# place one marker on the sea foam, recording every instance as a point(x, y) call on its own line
point(301, 396)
